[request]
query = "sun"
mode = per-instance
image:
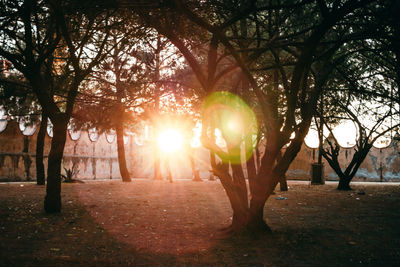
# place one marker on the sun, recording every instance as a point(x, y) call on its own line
point(170, 140)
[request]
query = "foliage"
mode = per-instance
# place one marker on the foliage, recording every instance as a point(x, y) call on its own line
point(286, 53)
point(70, 174)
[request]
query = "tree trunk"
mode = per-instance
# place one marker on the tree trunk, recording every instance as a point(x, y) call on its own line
point(246, 218)
point(52, 201)
point(121, 152)
point(168, 169)
point(157, 93)
point(259, 196)
point(212, 163)
point(249, 220)
point(283, 183)
point(251, 161)
point(40, 176)
point(257, 223)
point(240, 183)
point(157, 163)
point(240, 204)
point(282, 179)
point(344, 184)
point(258, 158)
point(195, 173)
point(251, 172)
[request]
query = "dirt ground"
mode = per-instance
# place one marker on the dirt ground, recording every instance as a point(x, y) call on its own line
point(156, 223)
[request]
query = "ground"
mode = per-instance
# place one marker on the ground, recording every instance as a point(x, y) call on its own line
point(156, 223)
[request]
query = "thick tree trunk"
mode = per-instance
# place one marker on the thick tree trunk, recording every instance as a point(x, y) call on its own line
point(40, 176)
point(344, 184)
point(121, 152)
point(259, 196)
point(240, 217)
point(249, 220)
point(247, 217)
point(257, 223)
point(52, 201)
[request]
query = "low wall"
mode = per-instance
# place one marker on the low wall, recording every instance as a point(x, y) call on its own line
point(381, 164)
point(96, 158)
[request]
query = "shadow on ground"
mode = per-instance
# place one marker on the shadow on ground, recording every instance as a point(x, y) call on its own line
point(149, 223)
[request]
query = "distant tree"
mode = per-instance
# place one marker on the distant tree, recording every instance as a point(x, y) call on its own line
point(165, 87)
point(360, 93)
point(117, 88)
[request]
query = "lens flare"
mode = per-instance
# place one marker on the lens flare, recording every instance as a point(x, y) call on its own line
point(235, 120)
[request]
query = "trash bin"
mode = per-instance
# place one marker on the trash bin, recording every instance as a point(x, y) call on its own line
point(317, 173)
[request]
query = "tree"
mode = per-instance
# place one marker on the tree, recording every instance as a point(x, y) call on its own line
point(55, 46)
point(305, 33)
point(360, 94)
point(362, 90)
point(117, 87)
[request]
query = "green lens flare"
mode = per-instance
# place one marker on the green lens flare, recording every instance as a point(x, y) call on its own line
point(236, 122)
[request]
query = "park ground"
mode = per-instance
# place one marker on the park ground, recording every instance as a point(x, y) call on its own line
point(157, 223)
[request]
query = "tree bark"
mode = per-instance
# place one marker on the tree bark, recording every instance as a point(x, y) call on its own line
point(251, 161)
point(257, 223)
point(121, 152)
point(249, 219)
point(212, 163)
point(52, 201)
point(259, 196)
point(40, 175)
point(240, 183)
point(283, 183)
point(258, 158)
point(344, 184)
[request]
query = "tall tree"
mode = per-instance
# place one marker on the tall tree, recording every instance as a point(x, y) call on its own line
point(117, 87)
point(306, 35)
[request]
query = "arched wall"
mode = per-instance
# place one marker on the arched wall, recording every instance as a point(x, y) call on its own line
point(99, 159)
point(381, 164)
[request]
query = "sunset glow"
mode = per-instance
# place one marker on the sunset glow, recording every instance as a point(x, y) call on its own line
point(170, 140)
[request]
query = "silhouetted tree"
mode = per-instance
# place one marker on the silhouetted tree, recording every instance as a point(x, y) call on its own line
point(290, 38)
point(55, 46)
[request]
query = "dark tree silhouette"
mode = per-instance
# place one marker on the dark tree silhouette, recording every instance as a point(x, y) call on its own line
point(49, 43)
point(291, 39)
